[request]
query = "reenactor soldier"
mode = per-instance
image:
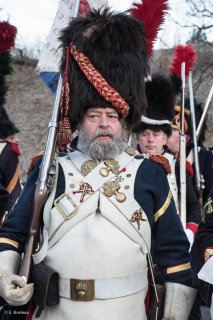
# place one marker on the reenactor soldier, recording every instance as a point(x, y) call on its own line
point(205, 155)
point(107, 204)
point(153, 134)
point(204, 241)
point(9, 163)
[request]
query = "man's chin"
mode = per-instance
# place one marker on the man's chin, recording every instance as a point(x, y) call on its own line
point(151, 151)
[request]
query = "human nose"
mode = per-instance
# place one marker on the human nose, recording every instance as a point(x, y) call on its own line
point(103, 121)
point(150, 138)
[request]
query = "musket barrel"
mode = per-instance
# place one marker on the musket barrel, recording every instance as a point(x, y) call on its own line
point(192, 109)
point(183, 153)
point(50, 142)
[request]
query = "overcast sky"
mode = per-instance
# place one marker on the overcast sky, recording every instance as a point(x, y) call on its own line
point(34, 18)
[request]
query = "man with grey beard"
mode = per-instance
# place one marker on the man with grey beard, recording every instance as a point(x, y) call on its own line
point(109, 207)
point(102, 142)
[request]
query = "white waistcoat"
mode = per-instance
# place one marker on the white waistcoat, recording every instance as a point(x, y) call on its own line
point(98, 242)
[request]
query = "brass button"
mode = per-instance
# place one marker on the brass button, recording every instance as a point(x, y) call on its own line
point(72, 185)
point(126, 187)
point(128, 175)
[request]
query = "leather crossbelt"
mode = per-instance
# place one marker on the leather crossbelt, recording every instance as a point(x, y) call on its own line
point(87, 290)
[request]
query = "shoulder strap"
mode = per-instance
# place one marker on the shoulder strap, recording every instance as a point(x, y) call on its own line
point(2, 146)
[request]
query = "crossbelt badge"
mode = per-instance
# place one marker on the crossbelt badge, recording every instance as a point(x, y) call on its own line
point(85, 189)
point(137, 217)
point(112, 188)
point(111, 165)
point(88, 166)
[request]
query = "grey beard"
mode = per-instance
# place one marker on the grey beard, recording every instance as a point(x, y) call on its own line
point(104, 150)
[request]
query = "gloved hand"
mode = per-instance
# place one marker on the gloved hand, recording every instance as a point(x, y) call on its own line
point(190, 236)
point(14, 290)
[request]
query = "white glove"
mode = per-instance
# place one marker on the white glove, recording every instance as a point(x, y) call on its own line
point(14, 290)
point(190, 236)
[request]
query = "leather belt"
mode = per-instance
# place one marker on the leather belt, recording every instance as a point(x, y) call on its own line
point(90, 289)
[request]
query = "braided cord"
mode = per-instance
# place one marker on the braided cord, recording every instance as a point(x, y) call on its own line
point(99, 83)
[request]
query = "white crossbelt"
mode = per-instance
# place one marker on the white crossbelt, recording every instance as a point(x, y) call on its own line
point(110, 288)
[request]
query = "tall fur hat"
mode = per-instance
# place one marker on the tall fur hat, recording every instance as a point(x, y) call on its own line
point(160, 95)
point(7, 127)
point(115, 45)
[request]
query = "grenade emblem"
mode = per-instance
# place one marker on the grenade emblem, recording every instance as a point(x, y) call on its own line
point(81, 288)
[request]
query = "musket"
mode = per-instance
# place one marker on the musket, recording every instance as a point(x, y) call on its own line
point(192, 109)
point(45, 180)
point(182, 153)
point(205, 111)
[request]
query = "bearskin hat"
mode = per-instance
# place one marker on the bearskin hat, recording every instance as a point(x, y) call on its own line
point(115, 45)
point(160, 95)
point(7, 127)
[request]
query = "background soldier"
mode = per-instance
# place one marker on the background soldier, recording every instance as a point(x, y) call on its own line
point(153, 135)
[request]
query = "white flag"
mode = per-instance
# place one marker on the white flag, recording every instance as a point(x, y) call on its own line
point(51, 55)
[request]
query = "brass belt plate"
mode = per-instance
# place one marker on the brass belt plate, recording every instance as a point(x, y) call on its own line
point(82, 290)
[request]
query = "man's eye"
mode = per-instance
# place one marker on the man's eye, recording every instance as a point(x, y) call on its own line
point(92, 116)
point(113, 116)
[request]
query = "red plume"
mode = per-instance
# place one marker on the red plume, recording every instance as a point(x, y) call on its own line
point(152, 14)
point(83, 8)
point(182, 54)
point(7, 36)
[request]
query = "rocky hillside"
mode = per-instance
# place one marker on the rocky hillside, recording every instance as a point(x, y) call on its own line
point(29, 104)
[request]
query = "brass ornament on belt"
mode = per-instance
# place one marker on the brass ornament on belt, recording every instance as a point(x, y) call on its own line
point(88, 166)
point(82, 290)
point(137, 217)
point(111, 188)
point(111, 165)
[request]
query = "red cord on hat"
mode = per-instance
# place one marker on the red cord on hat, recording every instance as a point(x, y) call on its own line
point(99, 82)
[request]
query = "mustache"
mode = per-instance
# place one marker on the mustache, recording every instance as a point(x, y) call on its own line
point(100, 132)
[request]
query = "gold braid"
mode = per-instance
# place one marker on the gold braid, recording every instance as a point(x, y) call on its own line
point(100, 84)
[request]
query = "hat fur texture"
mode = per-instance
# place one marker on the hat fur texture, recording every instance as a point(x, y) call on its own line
point(115, 44)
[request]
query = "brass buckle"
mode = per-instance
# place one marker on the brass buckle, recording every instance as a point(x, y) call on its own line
point(82, 290)
point(64, 214)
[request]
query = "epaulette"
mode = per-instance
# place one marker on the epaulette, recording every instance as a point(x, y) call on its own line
point(161, 160)
point(33, 160)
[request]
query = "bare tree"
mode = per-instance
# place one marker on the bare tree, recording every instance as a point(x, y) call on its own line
point(200, 13)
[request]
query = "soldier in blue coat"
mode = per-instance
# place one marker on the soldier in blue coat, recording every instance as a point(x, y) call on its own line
point(9, 163)
point(108, 208)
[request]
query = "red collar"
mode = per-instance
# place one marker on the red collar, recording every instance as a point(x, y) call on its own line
point(14, 146)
